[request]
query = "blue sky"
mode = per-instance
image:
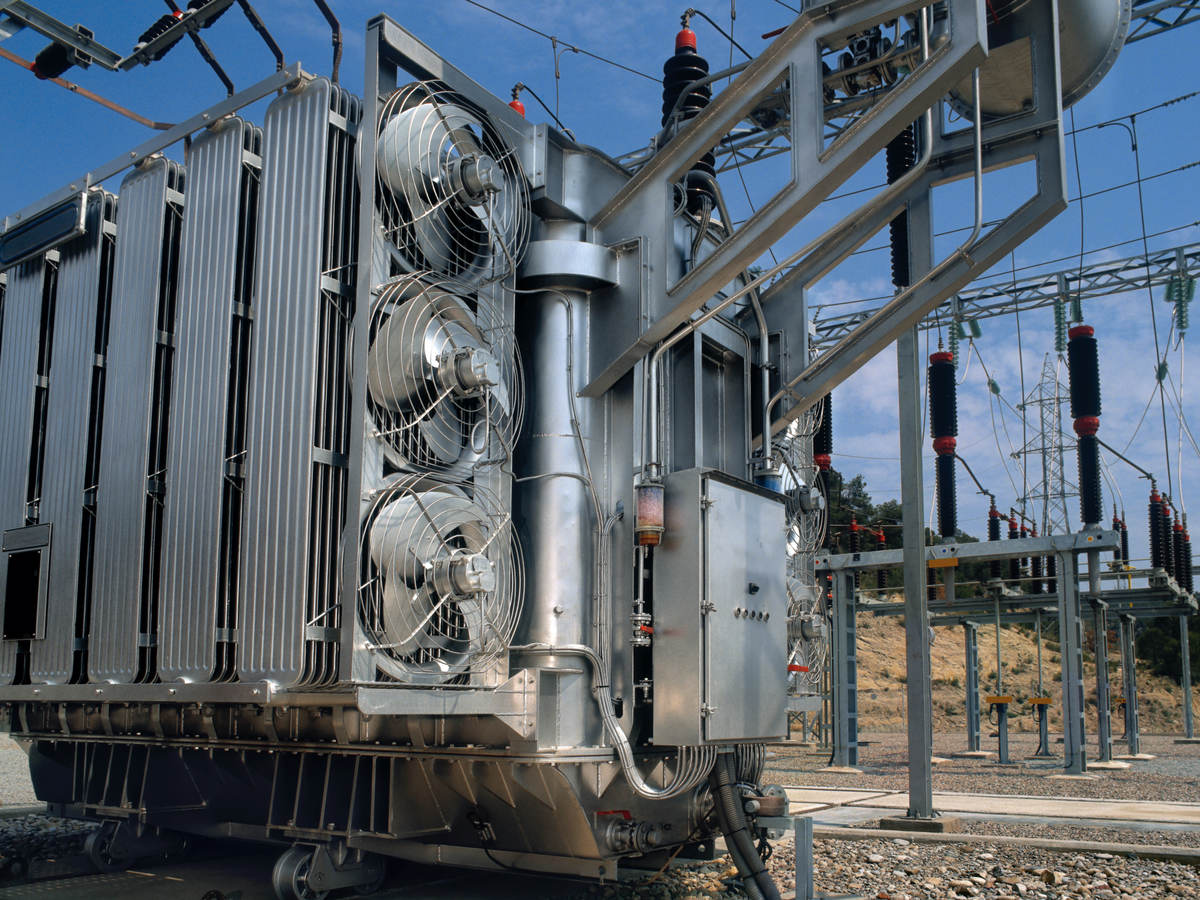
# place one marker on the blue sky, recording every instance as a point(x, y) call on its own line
point(52, 137)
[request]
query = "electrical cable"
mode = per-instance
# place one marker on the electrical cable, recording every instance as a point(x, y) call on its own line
point(522, 86)
point(206, 53)
point(573, 47)
point(727, 36)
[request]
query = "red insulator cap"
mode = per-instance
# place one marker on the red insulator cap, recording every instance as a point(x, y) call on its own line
point(1087, 425)
point(1154, 494)
point(944, 446)
point(1024, 530)
point(1178, 527)
point(941, 356)
point(518, 106)
point(995, 513)
point(1033, 531)
point(1081, 331)
point(854, 526)
point(685, 38)
point(822, 460)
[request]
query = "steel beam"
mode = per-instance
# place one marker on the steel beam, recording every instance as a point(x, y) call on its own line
point(844, 671)
point(1185, 660)
point(1125, 632)
point(1103, 701)
point(60, 32)
point(1071, 648)
point(974, 551)
point(971, 646)
point(1151, 17)
point(916, 613)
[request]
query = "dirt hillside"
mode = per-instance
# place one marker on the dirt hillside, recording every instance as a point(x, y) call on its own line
point(881, 698)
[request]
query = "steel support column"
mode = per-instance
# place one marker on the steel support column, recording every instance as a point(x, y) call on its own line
point(1129, 679)
point(1103, 700)
point(845, 672)
point(1070, 635)
point(971, 645)
point(916, 610)
point(1185, 659)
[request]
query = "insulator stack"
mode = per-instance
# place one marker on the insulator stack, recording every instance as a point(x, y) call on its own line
point(1035, 570)
point(1024, 561)
point(1187, 559)
point(1014, 564)
point(1119, 553)
point(1060, 325)
point(943, 425)
point(1051, 572)
point(1124, 543)
point(1168, 540)
point(823, 439)
point(1177, 546)
point(1083, 364)
point(881, 573)
point(900, 157)
point(995, 569)
point(679, 71)
point(1155, 530)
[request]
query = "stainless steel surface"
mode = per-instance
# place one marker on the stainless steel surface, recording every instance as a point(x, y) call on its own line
point(288, 548)
point(720, 608)
point(150, 197)
point(215, 275)
point(82, 266)
point(1070, 628)
point(18, 371)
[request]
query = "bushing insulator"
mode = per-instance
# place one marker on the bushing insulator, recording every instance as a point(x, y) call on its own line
point(1168, 547)
point(823, 439)
point(679, 71)
point(1091, 503)
point(946, 500)
point(1177, 546)
point(1155, 531)
point(1187, 559)
point(1014, 564)
point(1083, 365)
point(943, 399)
point(1051, 572)
point(900, 157)
point(1036, 565)
point(995, 569)
point(1124, 542)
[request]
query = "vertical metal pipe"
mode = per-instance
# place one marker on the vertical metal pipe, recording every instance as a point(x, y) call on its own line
point(551, 496)
point(845, 672)
point(1129, 673)
point(804, 858)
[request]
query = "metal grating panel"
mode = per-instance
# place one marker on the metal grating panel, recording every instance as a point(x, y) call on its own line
point(66, 502)
point(297, 432)
point(138, 369)
point(18, 372)
point(202, 509)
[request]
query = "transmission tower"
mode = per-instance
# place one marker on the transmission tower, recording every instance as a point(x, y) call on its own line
point(1053, 490)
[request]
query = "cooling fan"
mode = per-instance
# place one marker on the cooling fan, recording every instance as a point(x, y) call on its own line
point(442, 377)
point(808, 633)
point(451, 193)
point(440, 587)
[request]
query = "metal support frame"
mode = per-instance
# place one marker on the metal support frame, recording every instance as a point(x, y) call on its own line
point(1071, 648)
point(28, 15)
point(1002, 756)
point(1043, 711)
point(916, 610)
point(1125, 632)
point(971, 646)
point(1185, 661)
point(844, 671)
point(1151, 17)
point(804, 858)
point(1103, 701)
point(816, 169)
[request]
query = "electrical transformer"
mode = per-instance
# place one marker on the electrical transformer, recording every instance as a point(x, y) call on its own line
point(400, 478)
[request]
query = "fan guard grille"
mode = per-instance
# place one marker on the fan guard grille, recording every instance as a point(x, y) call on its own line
point(450, 191)
point(441, 580)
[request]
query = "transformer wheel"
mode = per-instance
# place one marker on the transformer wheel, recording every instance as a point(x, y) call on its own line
point(374, 884)
point(290, 876)
point(99, 849)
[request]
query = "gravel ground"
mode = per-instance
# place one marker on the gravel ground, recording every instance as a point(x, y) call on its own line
point(899, 870)
point(26, 839)
point(1101, 834)
point(884, 764)
point(15, 787)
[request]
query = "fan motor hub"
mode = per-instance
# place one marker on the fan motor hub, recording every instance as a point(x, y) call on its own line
point(464, 574)
point(477, 176)
point(468, 370)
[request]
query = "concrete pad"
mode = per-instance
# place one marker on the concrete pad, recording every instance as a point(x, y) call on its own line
point(1063, 776)
point(938, 760)
point(972, 754)
point(1134, 756)
point(1110, 764)
point(1187, 740)
point(936, 825)
point(1055, 807)
point(842, 770)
